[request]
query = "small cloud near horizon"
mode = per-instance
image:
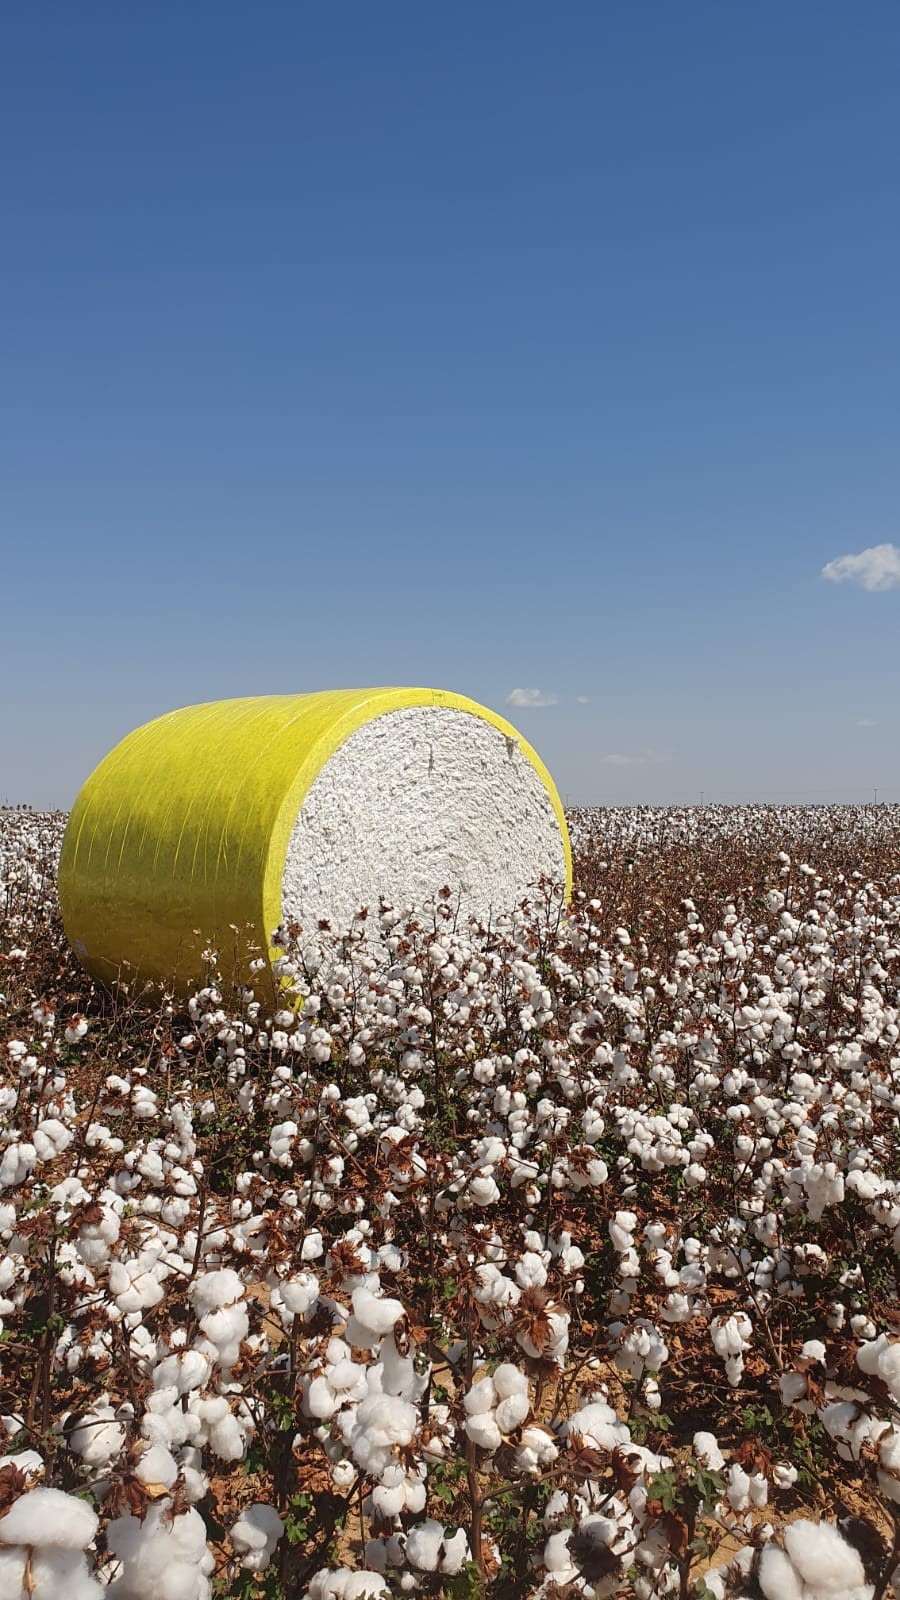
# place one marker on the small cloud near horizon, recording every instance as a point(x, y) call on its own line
point(581, 700)
point(531, 698)
point(874, 569)
point(640, 758)
point(867, 722)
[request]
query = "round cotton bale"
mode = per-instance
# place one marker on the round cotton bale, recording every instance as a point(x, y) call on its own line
point(215, 825)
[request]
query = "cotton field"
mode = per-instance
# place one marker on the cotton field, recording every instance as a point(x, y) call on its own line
point(551, 1257)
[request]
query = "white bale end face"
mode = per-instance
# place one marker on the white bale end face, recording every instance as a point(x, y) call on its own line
point(416, 799)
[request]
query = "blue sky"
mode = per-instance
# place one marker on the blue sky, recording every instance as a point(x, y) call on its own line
point(495, 348)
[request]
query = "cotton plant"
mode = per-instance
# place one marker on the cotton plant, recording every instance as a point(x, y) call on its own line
point(486, 1200)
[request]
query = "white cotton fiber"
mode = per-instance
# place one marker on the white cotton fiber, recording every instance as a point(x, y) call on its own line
point(97, 1437)
point(828, 1565)
point(778, 1578)
point(342, 1584)
point(165, 1555)
point(415, 799)
point(53, 1575)
point(157, 1466)
point(255, 1535)
point(214, 1289)
point(49, 1517)
point(373, 1316)
point(432, 1549)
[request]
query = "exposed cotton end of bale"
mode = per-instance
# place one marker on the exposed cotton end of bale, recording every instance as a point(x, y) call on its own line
point(416, 800)
point(204, 831)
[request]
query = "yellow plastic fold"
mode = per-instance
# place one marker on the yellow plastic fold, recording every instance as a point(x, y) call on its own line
point(178, 839)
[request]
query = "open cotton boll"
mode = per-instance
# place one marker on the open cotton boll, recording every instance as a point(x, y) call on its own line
point(226, 1329)
point(157, 1466)
point(537, 1449)
point(51, 1575)
point(28, 1461)
point(481, 1398)
point(343, 1584)
point(163, 1555)
point(299, 1294)
point(373, 1316)
point(379, 1424)
point(184, 1370)
point(778, 1577)
point(706, 1449)
point(137, 1285)
point(431, 1549)
point(214, 1289)
point(48, 1517)
point(398, 1373)
point(255, 1535)
point(557, 1558)
point(889, 1463)
point(830, 1568)
point(598, 1425)
point(399, 1491)
point(483, 1430)
point(224, 1433)
point(97, 1437)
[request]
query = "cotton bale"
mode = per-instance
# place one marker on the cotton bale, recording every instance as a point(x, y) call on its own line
point(216, 824)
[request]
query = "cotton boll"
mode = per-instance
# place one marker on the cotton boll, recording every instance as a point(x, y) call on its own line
point(482, 1429)
point(482, 1188)
point(759, 1490)
point(598, 1425)
point(738, 1487)
point(456, 1552)
point(557, 1560)
point(157, 1465)
point(226, 1328)
point(511, 1412)
point(12, 1572)
point(214, 1289)
point(481, 1398)
point(255, 1535)
point(342, 1584)
point(373, 1316)
point(537, 1449)
point(826, 1563)
point(223, 1431)
point(778, 1578)
point(56, 1573)
point(97, 1437)
point(889, 1464)
point(163, 1554)
point(28, 1461)
point(299, 1295)
point(707, 1452)
point(380, 1423)
point(530, 1271)
point(184, 1370)
point(48, 1517)
point(430, 1549)
point(343, 1473)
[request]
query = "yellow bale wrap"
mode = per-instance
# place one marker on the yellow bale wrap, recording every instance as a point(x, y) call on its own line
point(178, 839)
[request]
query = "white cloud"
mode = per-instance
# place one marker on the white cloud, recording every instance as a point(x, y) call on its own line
point(639, 758)
point(531, 697)
point(873, 569)
point(867, 722)
point(581, 699)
